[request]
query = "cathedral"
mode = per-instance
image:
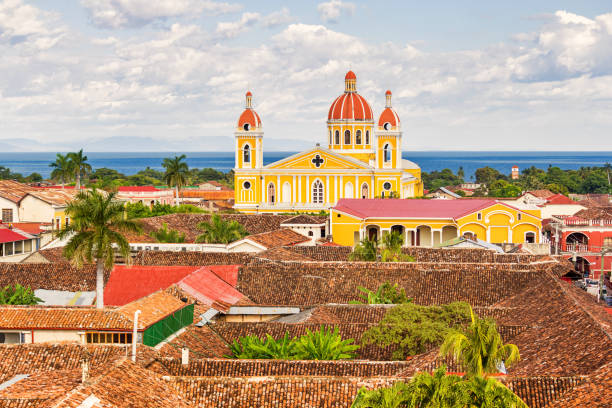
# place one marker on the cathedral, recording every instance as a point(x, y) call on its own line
point(363, 159)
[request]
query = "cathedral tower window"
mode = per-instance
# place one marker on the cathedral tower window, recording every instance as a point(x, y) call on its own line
point(347, 137)
point(358, 137)
point(317, 192)
point(364, 191)
point(387, 153)
point(246, 185)
point(367, 141)
point(330, 137)
point(246, 154)
point(271, 193)
point(337, 137)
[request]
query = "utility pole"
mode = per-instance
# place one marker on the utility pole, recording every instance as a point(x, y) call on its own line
point(604, 251)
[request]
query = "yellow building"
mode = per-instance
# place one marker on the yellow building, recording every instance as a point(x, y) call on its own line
point(428, 223)
point(363, 159)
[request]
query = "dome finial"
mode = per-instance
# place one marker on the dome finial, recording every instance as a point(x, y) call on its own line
point(350, 82)
point(388, 97)
point(249, 102)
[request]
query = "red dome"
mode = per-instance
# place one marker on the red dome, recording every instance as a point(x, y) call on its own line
point(249, 93)
point(388, 116)
point(251, 117)
point(388, 92)
point(350, 75)
point(349, 106)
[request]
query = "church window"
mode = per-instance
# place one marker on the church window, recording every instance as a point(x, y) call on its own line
point(317, 192)
point(247, 154)
point(364, 191)
point(387, 153)
point(330, 137)
point(367, 141)
point(479, 216)
point(387, 186)
point(246, 127)
point(387, 126)
point(271, 193)
point(246, 185)
point(347, 137)
point(358, 137)
point(337, 137)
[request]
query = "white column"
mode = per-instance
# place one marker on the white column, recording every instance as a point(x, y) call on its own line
point(372, 187)
point(299, 192)
point(254, 164)
point(278, 190)
point(341, 187)
point(308, 189)
point(432, 237)
point(237, 153)
point(355, 188)
point(327, 189)
point(399, 152)
point(336, 196)
point(293, 192)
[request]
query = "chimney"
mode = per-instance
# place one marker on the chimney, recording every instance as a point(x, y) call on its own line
point(184, 356)
point(85, 365)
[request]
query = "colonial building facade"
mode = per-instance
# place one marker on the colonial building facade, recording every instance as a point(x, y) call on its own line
point(363, 159)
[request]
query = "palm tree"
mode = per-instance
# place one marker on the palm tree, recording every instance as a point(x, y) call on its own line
point(366, 250)
point(395, 396)
point(80, 167)
point(97, 223)
point(487, 392)
point(176, 173)
point(436, 390)
point(62, 169)
point(219, 231)
point(480, 347)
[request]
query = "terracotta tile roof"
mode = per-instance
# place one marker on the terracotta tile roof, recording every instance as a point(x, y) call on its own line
point(53, 276)
point(304, 219)
point(596, 213)
point(40, 389)
point(75, 318)
point(153, 307)
point(13, 190)
point(277, 238)
point(559, 199)
point(209, 289)
point(593, 393)
point(129, 283)
point(540, 193)
point(282, 254)
point(190, 258)
point(33, 228)
point(57, 197)
point(137, 188)
point(208, 194)
point(126, 385)
point(202, 342)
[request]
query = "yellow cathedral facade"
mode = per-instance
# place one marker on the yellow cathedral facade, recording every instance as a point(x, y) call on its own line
point(363, 159)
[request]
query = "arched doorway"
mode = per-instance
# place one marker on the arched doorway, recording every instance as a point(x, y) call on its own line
point(582, 266)
point(577, 242)
point(271, 193)
point(449, 232)
point(423, 236)
point(365, 191)
point(373, 232)
point(530, 237)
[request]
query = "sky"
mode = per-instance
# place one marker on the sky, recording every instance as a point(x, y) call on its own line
point(170, 75)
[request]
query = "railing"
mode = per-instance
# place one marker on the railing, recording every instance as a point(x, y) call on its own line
point(576, 247)
point(587, 223)
point(156, 246)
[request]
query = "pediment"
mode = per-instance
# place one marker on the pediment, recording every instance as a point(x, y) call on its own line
point(318, 159)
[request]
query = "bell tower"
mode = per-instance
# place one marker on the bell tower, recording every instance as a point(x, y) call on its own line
point(388, 138)
point(249, 137)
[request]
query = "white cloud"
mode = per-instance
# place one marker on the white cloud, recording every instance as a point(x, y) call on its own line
point(331, 11)
point(182, 84)
point(129, 13)
point(25, 25)
point(277, 18)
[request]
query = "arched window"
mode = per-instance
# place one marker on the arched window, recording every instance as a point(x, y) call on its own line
point(347, 137)
point(271, 193)
point(348, 190)
point(364, 191)
point(367, 141)
point(358, 137)
point(330, 137)
point(387, 153)
point(246, 155)
point(317, 192)
point(337, 141)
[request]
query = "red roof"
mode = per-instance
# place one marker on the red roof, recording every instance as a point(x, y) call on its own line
point(7, 235)
point(559, 199)
point(388, 116)
point(129, 283)
point(33, 228)
point(350, 75)
point(251, 117)
point(208, 288)
point(350, 106)
point(138, 188)
point(228, 273)
point(395, 208)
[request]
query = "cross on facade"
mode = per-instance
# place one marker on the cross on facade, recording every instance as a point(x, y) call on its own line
point(318, 161)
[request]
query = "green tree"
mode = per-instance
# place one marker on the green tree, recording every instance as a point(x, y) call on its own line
point(62, 169)
point(18, 295)
point(220, 231)
point(479, 347)
point(252, 347)
point(324, 344)
point(413, 329)
point(97, 221)
point(366, 250)
point(392, 248)
point(386, 294)
point(176, 173)
point(487, 392)
point(487, 175)
point(168, 236)
point(501, 188)
point(397, 396)
point(79, 165)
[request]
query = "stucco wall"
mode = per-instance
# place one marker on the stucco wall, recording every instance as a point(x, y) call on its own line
point(46, 336)
point(34, 209)
point(4, 203)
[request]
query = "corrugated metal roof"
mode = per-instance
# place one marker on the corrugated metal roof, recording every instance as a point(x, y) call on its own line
point(65, 298)
point(210, 289)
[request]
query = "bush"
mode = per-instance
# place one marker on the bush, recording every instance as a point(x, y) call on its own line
point(18, 295)
point(386, 294)
point(168, 236)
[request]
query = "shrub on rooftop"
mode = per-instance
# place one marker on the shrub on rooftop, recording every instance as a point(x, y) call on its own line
point(386, 294)
point(168, 236)
point(18, 295)
point(413, 329)
point(220, 231)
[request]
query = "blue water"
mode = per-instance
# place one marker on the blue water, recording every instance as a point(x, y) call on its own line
point(130, 163)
